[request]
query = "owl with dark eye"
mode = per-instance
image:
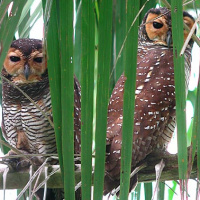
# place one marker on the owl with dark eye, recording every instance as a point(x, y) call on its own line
point(28, 125)
point(154, 117)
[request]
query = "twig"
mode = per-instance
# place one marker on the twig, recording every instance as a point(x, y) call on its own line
point(159, 168)
point(31, 179)
point(31, 174)
point(4, 182)
point(194, 37)
point(29, 155)
point(171, 188)
point(45, 185)
point(37, 180)
point(78, 186)
point(186, 3)
point(46, 179)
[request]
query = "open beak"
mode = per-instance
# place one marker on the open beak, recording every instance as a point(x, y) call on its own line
point(26, 71)
point(169, 38)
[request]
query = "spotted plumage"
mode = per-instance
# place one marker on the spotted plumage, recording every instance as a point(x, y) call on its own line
point(28, 125)
point(154, 117)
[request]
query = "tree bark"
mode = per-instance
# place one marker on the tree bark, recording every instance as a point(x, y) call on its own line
point(17, 180)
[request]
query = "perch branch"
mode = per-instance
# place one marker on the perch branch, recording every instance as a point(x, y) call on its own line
point(17, 180)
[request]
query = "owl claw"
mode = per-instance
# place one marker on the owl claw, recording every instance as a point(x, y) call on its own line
point(10, 164)
point(18, 163)
point(13, 164)
point(22, 164)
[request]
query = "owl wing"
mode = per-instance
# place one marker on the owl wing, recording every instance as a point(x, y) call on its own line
point(154, 109)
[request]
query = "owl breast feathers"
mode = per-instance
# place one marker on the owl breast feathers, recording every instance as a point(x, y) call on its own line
point(26, 124)
point(154, 117)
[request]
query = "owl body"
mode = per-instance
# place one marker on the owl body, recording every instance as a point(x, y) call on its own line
point(26, 124)
point(154, 117)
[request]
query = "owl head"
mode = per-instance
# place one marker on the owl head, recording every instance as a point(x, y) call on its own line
point(25, 61)
point(156, 27)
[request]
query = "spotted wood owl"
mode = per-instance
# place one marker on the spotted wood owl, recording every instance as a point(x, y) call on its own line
point(24, 126)
point(154, 117)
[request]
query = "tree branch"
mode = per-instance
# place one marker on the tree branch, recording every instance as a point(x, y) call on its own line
point(17, 180)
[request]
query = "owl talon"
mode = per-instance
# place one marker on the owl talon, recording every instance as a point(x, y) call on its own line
point(22, 164)
point(10, 164)
point(14, 164)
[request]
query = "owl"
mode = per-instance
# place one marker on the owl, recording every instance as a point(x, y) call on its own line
point(24, 124)
point(154, 117)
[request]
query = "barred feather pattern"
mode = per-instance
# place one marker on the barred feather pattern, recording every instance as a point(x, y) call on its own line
point(28, 124)
point(24, 126)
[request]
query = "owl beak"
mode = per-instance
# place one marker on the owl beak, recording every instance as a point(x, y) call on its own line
point(169, 39)
point(26, 71)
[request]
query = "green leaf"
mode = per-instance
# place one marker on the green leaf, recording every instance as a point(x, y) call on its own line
point(67, 93)
point(104, 61)
point(22, 24)
point(137, 192)
point(148, 191)
point(3, 9)
point(25, 11)
point(87, 89)
point(77, 45)
point(171, 190)
point(8, 25)
point(34, 16)
point(179, 73)
point(130, 64)
point(54, 72)
point(120, 35)
point(27, 31)
point(161, 191)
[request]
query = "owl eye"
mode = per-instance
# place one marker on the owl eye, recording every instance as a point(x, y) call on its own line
point(14, 58)
point(157, 25)
point(38, 59)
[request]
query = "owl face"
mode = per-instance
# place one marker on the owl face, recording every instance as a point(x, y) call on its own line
point(156, 26)
point(25, 61)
